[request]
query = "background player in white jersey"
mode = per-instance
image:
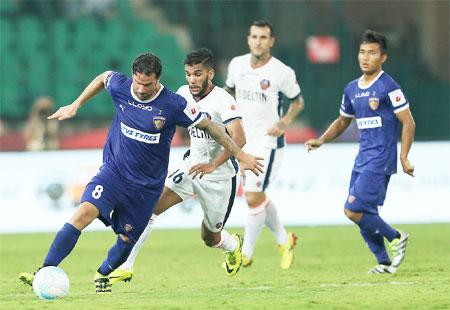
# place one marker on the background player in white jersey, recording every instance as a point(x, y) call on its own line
point(126, 189)
point(258, 80)
point(208, 170)
point(377, 103)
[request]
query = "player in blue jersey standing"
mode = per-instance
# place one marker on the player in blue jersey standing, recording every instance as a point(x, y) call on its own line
point(377, 103)
point(127, 187)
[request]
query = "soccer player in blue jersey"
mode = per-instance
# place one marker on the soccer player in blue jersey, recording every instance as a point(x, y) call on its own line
point(378, 104)
point(127, 187)
point(215, 186)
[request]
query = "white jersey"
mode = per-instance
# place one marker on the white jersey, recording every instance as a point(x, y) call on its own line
point(220, 107)
point(258, 93)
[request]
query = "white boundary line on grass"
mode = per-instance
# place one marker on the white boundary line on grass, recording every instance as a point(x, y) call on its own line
point(255, 288)
point(265, 288)
point(365, 284)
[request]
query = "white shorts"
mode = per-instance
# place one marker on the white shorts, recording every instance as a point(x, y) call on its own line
point(215, 197)
point(272, 163)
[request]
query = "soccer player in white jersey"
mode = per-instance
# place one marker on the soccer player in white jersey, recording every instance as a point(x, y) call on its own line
point(377, 103)
point(208, 170)
point(258, 80)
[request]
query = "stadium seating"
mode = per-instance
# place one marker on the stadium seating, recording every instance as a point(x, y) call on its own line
point(59, 57)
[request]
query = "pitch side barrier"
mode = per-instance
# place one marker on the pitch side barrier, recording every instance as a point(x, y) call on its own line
point(40, 190)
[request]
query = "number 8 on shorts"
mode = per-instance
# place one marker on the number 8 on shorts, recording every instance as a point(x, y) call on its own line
point(97, 192)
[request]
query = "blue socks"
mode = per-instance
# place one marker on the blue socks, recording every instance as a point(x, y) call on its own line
point(62, 245)
point(375, 242)
point(374, 223)
point(116, 256)
point(373, 229)
point(67, 238)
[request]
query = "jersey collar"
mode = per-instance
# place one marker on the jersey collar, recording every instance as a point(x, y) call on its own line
point(262, 66)
point(204, 96)
point(371, 83)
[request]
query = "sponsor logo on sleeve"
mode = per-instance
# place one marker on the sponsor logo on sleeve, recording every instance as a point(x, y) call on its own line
point(369, 122)
point(139, 135)
point(374, 103)
point(397, 97)
point(191, 111)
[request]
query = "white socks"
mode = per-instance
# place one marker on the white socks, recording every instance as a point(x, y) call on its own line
point(227, 242)
point(255, 221)
point(273, 222)
point(128, 264)
point(265, 213)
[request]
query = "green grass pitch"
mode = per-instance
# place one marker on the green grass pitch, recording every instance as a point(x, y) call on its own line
point(176, 271)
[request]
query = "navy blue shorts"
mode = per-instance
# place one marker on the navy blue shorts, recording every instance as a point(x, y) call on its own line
point(367, 191)
point(126, 209)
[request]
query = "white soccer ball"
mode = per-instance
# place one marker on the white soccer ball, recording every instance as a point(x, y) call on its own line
point(51, 283)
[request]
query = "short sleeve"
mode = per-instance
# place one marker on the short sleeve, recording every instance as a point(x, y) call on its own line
point(111, 81)
point(346, 105)
point(289, 85)
point(229, 110)
point(230, 81)
point(398, 100)
point(189, 114)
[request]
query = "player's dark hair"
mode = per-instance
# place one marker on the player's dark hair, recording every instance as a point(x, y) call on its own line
point(262, 23)
point(371, 36)
point(147, 64)
point(202, 56)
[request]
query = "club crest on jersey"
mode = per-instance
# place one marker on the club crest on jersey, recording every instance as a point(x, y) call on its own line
point(374, 103)
point(264, 84)
point(159, 121)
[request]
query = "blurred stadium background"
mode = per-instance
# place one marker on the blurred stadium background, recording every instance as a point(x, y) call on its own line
point(55, 48)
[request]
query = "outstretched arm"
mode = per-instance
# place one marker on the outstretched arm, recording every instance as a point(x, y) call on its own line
point(90, 91)
point(408, 128)
point(296, 106)
point(248, 162)
point(334, 130)
point(236, 132)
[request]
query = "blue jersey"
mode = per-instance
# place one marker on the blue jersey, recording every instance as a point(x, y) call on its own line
point(374, 107)
point(138, 143)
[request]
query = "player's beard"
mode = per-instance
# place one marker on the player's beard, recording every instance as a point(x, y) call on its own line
point(203, 90)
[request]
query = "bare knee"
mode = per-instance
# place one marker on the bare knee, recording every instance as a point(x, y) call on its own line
point(353, 216)
point(255, 199)
point(84, 215)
